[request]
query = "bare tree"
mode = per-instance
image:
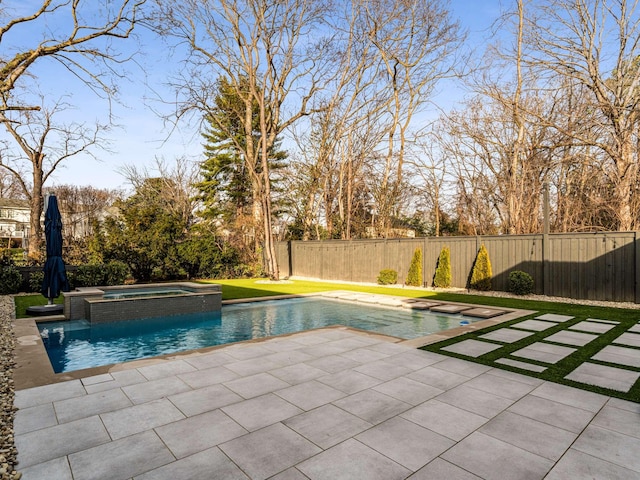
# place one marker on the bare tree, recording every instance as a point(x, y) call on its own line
point(596, 44)
point(34, 148)
point(273, 54)
point(82, 43)
point(416, 42)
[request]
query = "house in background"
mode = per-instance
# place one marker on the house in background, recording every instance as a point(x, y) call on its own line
point(14, 223)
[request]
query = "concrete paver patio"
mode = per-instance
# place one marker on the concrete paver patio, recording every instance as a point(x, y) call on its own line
point(326, 404)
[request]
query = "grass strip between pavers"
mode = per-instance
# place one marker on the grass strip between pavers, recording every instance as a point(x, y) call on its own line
point(558, 371)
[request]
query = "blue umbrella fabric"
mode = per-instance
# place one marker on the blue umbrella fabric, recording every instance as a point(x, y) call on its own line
point(55, 273)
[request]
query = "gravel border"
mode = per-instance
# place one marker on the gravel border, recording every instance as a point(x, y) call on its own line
point(8, 452)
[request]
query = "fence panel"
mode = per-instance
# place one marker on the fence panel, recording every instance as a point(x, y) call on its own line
point(595, 266)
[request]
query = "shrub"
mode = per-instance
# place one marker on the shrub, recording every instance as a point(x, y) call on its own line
point(35, 281)
point(387, 277)
point(481, 274)
point(442, 278)
point(93, 275)
point(414, 277)
point(520, 283)
point(115, 272)
point(10, 279)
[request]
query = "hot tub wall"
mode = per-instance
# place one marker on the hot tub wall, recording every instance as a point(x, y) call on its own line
point(102, 311)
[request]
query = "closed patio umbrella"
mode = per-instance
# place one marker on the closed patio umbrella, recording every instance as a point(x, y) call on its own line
point(55, 274)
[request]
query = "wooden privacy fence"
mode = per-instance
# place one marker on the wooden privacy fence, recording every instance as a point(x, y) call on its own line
point(594, 266)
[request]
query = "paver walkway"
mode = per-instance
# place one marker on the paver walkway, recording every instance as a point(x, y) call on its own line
point(328, 404)
point(615, 367)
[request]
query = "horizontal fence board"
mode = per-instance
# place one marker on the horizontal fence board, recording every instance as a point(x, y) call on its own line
point(593, 266)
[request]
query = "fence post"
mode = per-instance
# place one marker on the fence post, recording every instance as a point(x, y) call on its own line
point(546, 288)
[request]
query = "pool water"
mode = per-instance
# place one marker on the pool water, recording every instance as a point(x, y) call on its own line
point(77, 344)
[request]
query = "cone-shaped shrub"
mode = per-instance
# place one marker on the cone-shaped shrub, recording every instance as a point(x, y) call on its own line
point(414, 277)
point(442, 277)
point(481, 274)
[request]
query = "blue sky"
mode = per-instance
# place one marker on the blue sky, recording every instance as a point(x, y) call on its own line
point(142, 135)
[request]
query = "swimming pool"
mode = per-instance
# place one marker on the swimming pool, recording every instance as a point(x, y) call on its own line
point(77, 344)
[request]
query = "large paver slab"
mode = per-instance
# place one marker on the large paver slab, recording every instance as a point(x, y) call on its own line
point(166, 369)
point(502, 386)
point(124, 458)
point(620, 355)
point(566, 337)
point(48, 393)
point(506, 335)
point(299, 373)
point(112, 380)
point(631, 339)
point(209, 464)
point(57, 468)
point(535, 325)
point(592, 327)
point(544, 352)
point(556, 414)
point(407, 390)
point(371, 406)
point(573, 397)
point(268, 451)
point(195, 434)
point(34, 418)
point(575, 464)
point(383, 370)
point(473, 400)
point(440, 468)
point(530, 435)
point(421, 305)
point(522, 365)
point(411, 445)
point(88, 405)
point(155, 389)
point(327, 426)
point(204, 399)
point(493, 459)
point(310, 395)
point(462, 367)
point(472, 348)
point(352, 459)
point(261, 411)
point(448, 420)
point(604, 376)
point(635, 328)
point(349, 381)
point(553, 317)
point(127, 421)
point(610, 446)
point(619, 420)
point(208, 376)
point(437, 378)
point(49, 443)
point(256, 385)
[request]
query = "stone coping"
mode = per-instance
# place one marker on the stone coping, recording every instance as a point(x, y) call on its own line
point(33, 367)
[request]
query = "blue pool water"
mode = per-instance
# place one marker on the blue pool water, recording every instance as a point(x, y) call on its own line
point(74, 345)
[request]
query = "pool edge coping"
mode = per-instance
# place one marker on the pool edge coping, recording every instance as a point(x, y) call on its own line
point(33, 367)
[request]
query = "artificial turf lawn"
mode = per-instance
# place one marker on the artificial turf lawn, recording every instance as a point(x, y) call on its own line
point(556, 372)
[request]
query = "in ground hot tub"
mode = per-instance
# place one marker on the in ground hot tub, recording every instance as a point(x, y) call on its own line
point(128, 302)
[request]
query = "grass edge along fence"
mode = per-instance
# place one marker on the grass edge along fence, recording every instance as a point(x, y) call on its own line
point(601, 266)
